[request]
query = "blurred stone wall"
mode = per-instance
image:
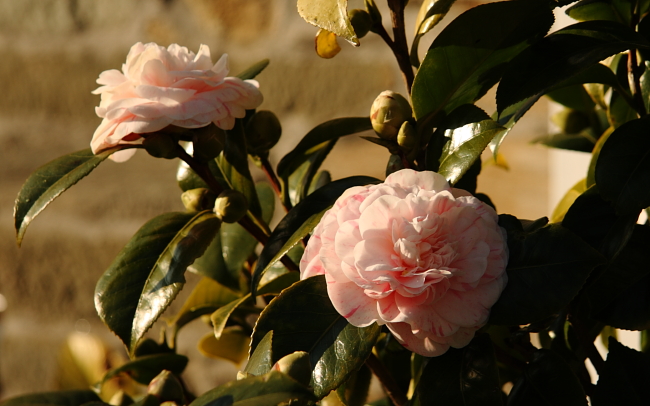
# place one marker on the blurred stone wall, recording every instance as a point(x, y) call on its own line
point(52, 52)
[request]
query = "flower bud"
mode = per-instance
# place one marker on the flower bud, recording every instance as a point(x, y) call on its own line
point(295, 365)
point(262, 132)
point(361, 21)
point(388, 112)
point(166, 387)
point(208, 142)
point(407, 137)
point(161, 145)
point(230, 206)
point(198, 199)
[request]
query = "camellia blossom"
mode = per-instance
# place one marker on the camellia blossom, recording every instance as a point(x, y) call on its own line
point(161, 86)
point(415, 254)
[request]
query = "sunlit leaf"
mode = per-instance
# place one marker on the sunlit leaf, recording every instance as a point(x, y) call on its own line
point(144, 369)
point(62, 398)
point(207, 296)
point(612, 10)
point(567, 200)
point(232, 345)
point(50, 180)
point(254, 70)
point(261, 360)
point(430, 14)
point(330, 15)
point(220, 317)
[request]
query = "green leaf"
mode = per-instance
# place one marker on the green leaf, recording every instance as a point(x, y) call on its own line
point(303, 319)
point(623, 167)
point(623, 380)
point(62, 398)
point(567, 200)
point(576, 97)
point(261, 360)
point(212, 264)
point(327, 131)
point(462, 64)
point(167, 277)
point(207, 296)
point(546, 269)
point(627, 271)
point(466, 376)
point(49, 181)
point(430, 14)
point(315, 203)
point(231, 346)
point(220, 317)
point(144, 369)
point(233, 162)
point(268, 390)
point(254, 70)
point(299, 187)
point(631, 309)
point(330, 15)
point(612, 10)
point(465, 147)
point(571, 142)
point(157, 254)
point(547, 381)
point(561, 55)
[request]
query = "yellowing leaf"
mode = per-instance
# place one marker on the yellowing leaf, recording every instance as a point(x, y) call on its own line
point(568, 199)
point(330, 15)
point(232, 345)
point(498, 160)
point(326, 45)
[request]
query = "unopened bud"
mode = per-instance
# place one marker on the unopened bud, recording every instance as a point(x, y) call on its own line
point(295, 365)
point(166, 387)
point(230, 206)
point(198, 199)
point(388, 112)
point(361, 21)
point(262, 132)
point(161, 145)
point(208, 142)
point(407, 137)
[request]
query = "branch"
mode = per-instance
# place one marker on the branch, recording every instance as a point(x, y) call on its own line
point(392, 389)
point(400, 46)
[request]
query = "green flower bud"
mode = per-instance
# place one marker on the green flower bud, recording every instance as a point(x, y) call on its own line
point(407, 137)
point(262, 132)
point(208, 142)
point(166, 387)
point(375, 14)
point(361, 21)
point(388, 112)
point(230, 206)
point(198, 199)
point(161, 145)
point(296, 365)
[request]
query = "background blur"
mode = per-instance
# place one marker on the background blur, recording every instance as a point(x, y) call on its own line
point(52, 52)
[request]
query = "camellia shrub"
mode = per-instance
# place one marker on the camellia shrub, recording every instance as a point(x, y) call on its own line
point(414, 279)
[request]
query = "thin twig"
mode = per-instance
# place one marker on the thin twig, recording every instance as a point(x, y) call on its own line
point(275, 182)
point(633, 71)
point(388, 382)
point(400, 46)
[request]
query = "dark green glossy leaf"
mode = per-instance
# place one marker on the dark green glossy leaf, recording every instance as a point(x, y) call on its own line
point(626, 271)
point(316, 202)
point(62, 398)
point(576, 97)
point(167, 277)
point(561, 55)
point(623, 380)
point(630, 310)
point(612, 10)
point(212, 264)
point(303, 319)
point(278, 284)
point(547, 381)
point(462, 377)
point(623, 167)
point(118, 291)
point(354, 392)
point(207, 296)
point(596, 222)
point(299, 187)
point(571, 142)
point(234, 164)
point(463, 64)
point(546, 269)
point(466, 146)
point(267, 390)
point(220, 317)
point(144, 369)
point(254, 70)
point(49, 181)
point(261, 360)
point(320, 134)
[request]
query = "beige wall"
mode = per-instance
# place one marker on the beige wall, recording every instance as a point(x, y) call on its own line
point(51, 53)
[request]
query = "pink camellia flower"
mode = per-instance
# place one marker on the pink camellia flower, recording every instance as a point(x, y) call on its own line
point(415, 254)
point(167, 86)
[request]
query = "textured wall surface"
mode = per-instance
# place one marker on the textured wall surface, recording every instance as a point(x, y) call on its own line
point(52, 52)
